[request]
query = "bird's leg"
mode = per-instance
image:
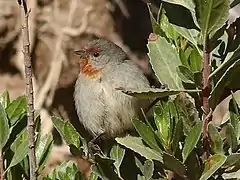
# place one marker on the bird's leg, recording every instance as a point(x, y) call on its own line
point(93, 146)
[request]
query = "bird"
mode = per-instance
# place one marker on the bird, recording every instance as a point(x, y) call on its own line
point(103, 109)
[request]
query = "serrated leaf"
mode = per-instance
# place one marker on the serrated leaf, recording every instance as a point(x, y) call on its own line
point(164, 60)
point(67, 131)
point(217, 142)
point(231, 137)
point(117, 154)
point(136, 144)
point(146, 133)
point(211, 15)
point(4, 99)
point(147, 93)
point(16, 108)
point(232, 159)
point(43, 150)
point(174, 164)
point(212, 164)
point(191, 140)
point(4, 127)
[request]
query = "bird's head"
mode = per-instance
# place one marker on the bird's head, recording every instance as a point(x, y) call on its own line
point(97, 54)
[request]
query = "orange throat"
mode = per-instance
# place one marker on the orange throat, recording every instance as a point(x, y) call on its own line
point(88, 70)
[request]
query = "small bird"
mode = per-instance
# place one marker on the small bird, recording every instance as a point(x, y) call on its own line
point(102, 108)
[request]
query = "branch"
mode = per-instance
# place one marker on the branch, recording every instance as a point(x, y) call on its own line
point(207, 116)
point(29, 91)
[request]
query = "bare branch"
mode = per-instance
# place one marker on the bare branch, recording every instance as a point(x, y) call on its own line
point(29, 91)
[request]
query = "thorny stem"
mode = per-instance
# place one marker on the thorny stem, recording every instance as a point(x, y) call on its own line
point(206, 91)
point(29, 91)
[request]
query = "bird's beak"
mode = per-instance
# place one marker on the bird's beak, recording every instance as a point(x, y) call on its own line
point(81, 53)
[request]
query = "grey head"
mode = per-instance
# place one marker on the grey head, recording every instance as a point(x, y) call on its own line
point(102, 52)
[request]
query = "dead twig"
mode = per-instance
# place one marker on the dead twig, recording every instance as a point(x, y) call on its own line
point(29, 91)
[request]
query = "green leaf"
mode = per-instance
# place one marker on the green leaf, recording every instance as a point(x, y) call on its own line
point(104, 167)
point(4, 127)
point(234, 115)
point(147, 93)
point(117, 154)
point(195, 61)
point(136, 144)
point(229, 61)
point(174, 164)
point(67, 131)
point(164, 117)
point(4, 99)
point(66, 171)
point(212, 164)
point(191, 140)
point(187, 112)
point(178, 134)
point(231, 137)
point(16, 108)
point(190, 34)
point(146, 133)
point(43, 150)
point(19, 148)
point(93, 176)
point(185, 74)
point(217, 142)
point(232, 159)
point(211, 15)
point(227, 78)
point(148, 169)
point(164, 60)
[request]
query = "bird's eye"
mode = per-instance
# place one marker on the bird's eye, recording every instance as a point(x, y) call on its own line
point(96, 54)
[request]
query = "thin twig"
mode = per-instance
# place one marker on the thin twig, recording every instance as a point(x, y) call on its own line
point(206, 92)
point(29, 92)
